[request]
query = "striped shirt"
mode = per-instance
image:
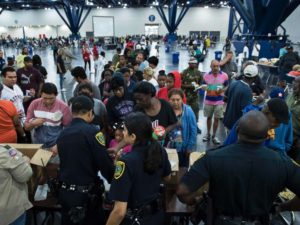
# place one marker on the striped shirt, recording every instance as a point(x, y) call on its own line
point(215, 83)
point(56, 117)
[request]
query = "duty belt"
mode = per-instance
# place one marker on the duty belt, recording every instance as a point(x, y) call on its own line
point(145, 210)
point(76, 188)
point(241, 220)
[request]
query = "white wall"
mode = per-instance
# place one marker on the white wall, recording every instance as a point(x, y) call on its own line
point(291, 25)
point(127, 21)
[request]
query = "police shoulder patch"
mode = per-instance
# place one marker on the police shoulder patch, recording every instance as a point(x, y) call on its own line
point(100, 138)
point(119, 170)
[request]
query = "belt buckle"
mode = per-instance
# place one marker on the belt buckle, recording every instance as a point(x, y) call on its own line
point(72, 187)
point(82, 189)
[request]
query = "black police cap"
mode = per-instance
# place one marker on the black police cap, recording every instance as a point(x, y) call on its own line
point(82, 103)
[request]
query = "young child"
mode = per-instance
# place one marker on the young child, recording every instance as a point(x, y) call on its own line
point(104, 85)
point(118, 132)
point(161, 79)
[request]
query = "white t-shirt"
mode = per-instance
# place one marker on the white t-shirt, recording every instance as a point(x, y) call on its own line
point(256, 49)
point(246, 52)
point(16, 96)
point(154, 82)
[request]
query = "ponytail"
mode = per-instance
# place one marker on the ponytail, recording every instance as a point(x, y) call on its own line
point(152, 157)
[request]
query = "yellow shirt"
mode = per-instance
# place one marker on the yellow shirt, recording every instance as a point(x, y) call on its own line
point(20, 60)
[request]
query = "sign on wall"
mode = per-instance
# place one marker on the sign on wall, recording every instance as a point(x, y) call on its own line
point(151, 18)
point(103, 26)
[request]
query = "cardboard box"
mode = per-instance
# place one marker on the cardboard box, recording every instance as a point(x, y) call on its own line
point(38, 156)
point(173, 158)
point(27, 149)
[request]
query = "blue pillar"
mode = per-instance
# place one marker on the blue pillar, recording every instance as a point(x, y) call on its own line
point(230, 25)
point(234, 23)
point(74, 16)
point(244, 13)
point(264, 16)
point(173, 21)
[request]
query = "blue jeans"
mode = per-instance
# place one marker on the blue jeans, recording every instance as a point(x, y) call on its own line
point(21, 220)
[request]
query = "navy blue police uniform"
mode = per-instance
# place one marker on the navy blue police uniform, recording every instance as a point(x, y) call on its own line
point(82, 154)
point(138, 188)
point(244, 181)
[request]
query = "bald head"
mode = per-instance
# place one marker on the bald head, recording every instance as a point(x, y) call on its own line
point(253, 127)
point(215, 66)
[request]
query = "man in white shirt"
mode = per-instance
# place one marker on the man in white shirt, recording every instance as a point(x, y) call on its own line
point(245, 52)
point(12, 92)
point(141, 59)
point(255, 51)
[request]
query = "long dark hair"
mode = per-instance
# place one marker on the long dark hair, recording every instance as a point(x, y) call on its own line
point(139, 124)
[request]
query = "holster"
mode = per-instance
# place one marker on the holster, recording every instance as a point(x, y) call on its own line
point(138, 213)
point(77, 214)
point(96, 195)
point(203, 211)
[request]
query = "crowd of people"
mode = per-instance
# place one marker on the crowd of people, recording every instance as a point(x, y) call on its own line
point(122, 124)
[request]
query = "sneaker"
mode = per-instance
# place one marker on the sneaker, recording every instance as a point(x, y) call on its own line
point(216, 141)
point(206, 138)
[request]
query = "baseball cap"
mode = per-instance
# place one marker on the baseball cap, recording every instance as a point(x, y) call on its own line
point(279, 109)
point(250, 71)
point(27, 59)
point(193, 60)
point(82, 103)
point(277, 93)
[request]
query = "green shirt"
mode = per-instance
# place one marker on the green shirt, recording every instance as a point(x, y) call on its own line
point(294, 105)
point(187, 77)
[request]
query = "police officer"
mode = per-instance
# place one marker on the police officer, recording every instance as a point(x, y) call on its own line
point(244, 178)
point(136, 184)
point(15, 171)
point(82, 153)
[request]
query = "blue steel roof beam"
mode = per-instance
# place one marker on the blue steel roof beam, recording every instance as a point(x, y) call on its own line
point(84, 18)
point(173, 15)
point(270, 22)
point(248, 20)
point(75, 16)
point(67, 8)
point(62, 17)
point(238, 22)
point(80, 15)
point(292, 6)
point(250, 8)
point(162, 15)
point(259, 11)
point(230, 25)
point(183, 12)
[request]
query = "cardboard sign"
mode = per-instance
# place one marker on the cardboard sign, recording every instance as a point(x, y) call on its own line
point(41, 157)
point(173, 158)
